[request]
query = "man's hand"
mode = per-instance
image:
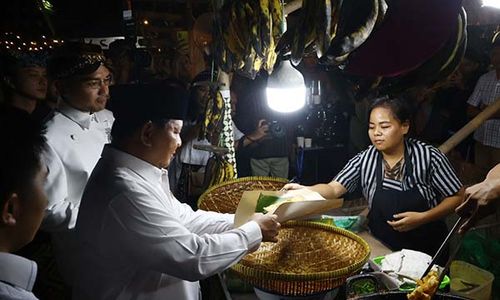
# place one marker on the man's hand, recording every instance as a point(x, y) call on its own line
point(485, 191)
point(268, 225)
point(262, 129)
point(260, 132)
point(481, 201)
point(407, 221)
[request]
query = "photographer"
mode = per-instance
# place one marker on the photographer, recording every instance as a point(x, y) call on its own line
point(265, 148)
point(270, 157)
point(244, 143)
point(246, 139)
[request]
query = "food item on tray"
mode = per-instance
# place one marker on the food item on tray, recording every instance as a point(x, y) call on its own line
point(264, 201)
point(426, 287)
point(275, 205)
point(364, 286)
point(269, 203)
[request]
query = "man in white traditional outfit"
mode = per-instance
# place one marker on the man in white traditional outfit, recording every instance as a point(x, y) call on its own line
point(137, 241)
point(76, 136)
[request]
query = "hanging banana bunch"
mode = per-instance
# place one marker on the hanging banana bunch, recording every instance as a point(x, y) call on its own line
point(246, 34)
point(223, 167)
point(357, 21)
point(214, 111)
point(334, 28)
point(304, 33)
point(222, 171)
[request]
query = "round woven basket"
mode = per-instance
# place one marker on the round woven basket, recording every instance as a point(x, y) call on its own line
point(224, 197)
point(308, 258)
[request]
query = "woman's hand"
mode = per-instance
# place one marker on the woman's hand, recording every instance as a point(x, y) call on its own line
point(293, 186)
point(407, 221)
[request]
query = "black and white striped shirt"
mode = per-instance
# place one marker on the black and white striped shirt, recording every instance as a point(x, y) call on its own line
point(432, 171)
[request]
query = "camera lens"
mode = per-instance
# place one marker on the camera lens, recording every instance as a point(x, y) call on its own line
point(276, 129)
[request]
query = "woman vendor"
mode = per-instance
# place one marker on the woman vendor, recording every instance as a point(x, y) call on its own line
point(410, 186)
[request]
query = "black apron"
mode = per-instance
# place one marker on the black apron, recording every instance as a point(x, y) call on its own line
point(388, 202)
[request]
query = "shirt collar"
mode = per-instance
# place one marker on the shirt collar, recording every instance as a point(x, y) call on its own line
point(17, 271)
point(82, 118)
point(144, 169)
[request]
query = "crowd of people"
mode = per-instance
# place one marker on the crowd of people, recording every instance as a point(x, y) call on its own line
point(84, 159)
point(131, 227)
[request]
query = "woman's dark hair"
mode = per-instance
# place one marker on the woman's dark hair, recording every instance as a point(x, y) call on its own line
point(400, 108)
point(22, 143)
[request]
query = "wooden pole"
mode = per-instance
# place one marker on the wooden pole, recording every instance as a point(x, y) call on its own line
point(460, 135)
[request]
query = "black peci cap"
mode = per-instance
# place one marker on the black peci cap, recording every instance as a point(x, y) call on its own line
point(11, 60)
point(75, 59)
point(138, 103)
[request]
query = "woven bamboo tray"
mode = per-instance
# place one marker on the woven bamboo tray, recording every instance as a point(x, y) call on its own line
point(308, 258)
point(224, 197)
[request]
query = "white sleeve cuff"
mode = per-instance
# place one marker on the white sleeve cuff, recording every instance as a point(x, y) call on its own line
point(253, 233)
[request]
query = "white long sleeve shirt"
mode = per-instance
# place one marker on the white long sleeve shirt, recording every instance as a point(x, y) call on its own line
point(17, 277)
point(75, 140)
point(136, 241)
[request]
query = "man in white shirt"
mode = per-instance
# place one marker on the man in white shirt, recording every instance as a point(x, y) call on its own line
point(137, 241)
point(22, 199)
point(75, 136)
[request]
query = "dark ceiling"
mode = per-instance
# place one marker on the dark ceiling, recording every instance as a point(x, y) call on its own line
point(90, 18)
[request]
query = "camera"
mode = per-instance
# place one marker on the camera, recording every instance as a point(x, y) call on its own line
point(276, 130)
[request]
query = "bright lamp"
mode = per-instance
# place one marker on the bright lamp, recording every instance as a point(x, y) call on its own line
point(286, 90)
point(492, 3)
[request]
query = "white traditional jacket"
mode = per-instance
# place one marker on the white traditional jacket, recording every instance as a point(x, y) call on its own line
point(75, 140)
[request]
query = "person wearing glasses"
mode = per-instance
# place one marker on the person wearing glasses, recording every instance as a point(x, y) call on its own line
point(76, 135)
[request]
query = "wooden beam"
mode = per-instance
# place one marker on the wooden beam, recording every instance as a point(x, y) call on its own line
point(460, 135)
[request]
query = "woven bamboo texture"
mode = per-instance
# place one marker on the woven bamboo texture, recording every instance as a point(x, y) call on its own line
point(224, 197)
point(308, 258)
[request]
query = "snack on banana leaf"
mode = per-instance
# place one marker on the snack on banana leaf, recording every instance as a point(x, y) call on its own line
point(269, 203)
point(264, 201)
